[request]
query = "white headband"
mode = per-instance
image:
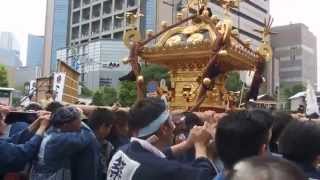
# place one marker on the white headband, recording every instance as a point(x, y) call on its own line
point(154, 125)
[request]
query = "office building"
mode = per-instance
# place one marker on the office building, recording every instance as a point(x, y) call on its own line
point(98, 62)
point(99, 19)
point(56, 28)
point(95, 38)
point(249, 16)
point(35, 50)
point(295, 47)
point(8, 41)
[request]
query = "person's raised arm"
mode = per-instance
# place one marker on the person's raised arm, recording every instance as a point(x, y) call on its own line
point(13, 157)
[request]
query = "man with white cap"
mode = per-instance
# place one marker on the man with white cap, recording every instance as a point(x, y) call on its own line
point(144, 159)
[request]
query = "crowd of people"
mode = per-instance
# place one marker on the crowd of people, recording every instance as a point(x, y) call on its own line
point(150, 142)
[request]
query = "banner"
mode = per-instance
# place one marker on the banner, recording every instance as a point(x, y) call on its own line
point(33, 87)
point(58, 85)
point(311, 101)
point(246, 77)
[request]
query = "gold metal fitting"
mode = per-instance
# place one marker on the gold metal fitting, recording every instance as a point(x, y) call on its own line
point(140, 79)
point(164, 24)
point(207, 81)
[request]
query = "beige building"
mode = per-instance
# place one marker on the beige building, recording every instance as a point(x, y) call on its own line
point(56, 28)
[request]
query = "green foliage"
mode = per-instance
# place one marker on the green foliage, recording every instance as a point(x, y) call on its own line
point(288, 91)
point(105, 96)
point(233, 83)
point(127, 93)
point(154, 72)
point(3, 77)
point(86, 92)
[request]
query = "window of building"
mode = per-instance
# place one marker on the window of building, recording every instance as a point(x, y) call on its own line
point(75, 32)
point(293, 53)
point(95, 27)
point(76, 17)
point(76, 4)
point(86, 2)
point(118, 35)
point(105, 82)
point(96, 11)
point(119, 5)
point(106, 24)
point(107, 7)
point(86, 14)
point(84, 30)
point(132, 3)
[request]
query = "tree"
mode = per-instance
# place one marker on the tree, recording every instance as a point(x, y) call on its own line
point(85, 91)
point(3, 77)
point(105, 96)
point(154, 72)
point(289, 91)
point(233, 82)
point(127, 93)
point(286, 91)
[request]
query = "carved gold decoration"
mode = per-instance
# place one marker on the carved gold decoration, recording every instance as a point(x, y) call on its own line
point(247, 43)
point(223, 53)
point(179, 16)
point(229, 4)
point(195, 5)
point(131, 36)
point(195, 38)
point(187, 47)
point(191, 29)
point(225, 28)
point(174, 40)
point(133, 18)
point(214, 19)
point(235, 32)
point(266, 51)
point(265, 48)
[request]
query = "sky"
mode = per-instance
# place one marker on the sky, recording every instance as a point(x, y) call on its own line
point(28, 16)
point(22, 17)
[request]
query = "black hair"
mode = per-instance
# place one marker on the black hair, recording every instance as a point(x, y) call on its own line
point(53, 106)
point(33, 107)
point(265, 168)
point(121, 119)
point(100, 117)
point(264, 116)
point(300, 141)
point(240, 135)
point(281, 120)
point(192, 120)
point(64, 115)
point(143, 112)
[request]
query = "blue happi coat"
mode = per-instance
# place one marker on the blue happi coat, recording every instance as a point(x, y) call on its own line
point(139, 160)
point(17, 151)
point(56, 150)
point(86, 163)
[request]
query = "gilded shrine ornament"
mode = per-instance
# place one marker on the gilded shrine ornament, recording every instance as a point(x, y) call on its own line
point(199, 51)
